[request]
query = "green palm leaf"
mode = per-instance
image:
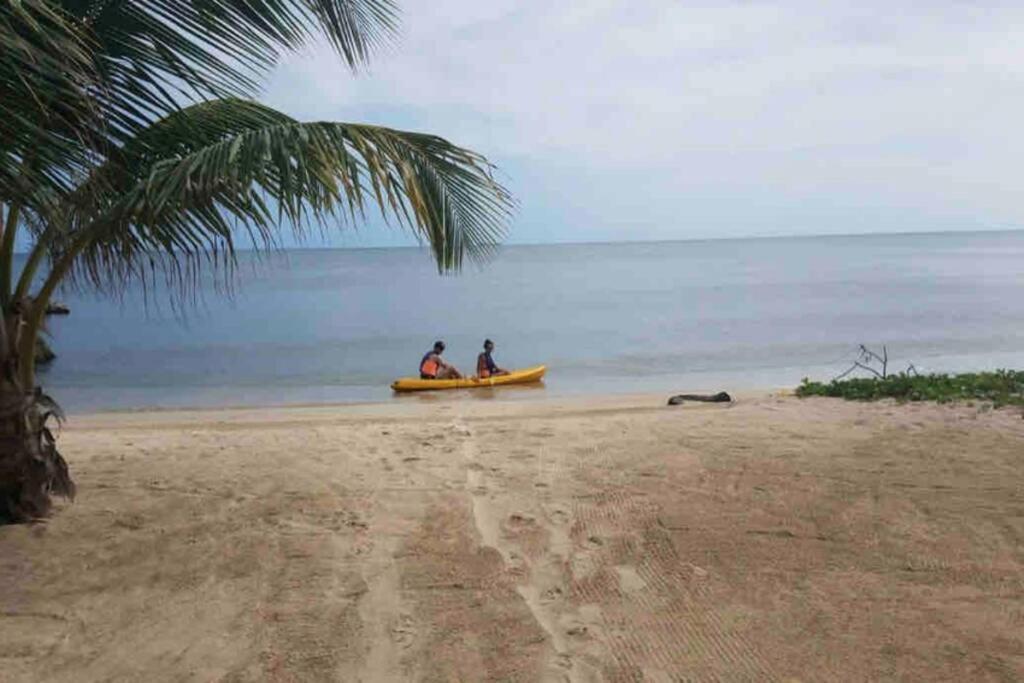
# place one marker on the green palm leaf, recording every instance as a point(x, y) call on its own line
point(155, 54)
point(185, 187)
point(50, 126)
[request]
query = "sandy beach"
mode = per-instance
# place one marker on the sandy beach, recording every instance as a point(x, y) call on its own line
point(610, 539)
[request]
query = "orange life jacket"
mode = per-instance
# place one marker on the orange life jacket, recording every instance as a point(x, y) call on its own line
point(429, 366)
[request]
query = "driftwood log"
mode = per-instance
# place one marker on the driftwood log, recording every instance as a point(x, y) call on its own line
point(720, 397)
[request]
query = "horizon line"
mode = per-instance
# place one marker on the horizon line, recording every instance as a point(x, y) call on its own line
point(568, 243)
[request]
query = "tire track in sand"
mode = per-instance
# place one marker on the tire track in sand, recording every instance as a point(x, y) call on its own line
point(661, 620)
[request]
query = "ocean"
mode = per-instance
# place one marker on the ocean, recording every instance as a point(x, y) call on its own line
point(324, 326)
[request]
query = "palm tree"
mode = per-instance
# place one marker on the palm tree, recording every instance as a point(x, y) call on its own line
point(131, 149)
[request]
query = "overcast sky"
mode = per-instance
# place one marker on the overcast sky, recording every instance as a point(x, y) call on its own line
point(651, 119)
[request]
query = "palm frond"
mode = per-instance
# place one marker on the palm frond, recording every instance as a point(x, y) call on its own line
point(186, 187)
point(50, 125)
point(155, 54)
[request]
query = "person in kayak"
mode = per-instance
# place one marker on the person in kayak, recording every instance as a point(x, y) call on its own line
point(485, 365)
point(434, 367)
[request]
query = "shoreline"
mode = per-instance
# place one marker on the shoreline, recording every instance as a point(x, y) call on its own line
point(542, 391)
point(425, 402)
point(79, 401)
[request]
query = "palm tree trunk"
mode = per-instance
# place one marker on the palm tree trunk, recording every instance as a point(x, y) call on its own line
point(28, 271)
point(32, 470)
point(7, 253)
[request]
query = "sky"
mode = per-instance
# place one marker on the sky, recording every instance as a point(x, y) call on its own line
point(656, 120)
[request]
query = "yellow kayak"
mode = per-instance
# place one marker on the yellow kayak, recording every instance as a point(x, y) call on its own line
point(515, 377)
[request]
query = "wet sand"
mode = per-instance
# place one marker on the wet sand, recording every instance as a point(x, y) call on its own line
point(573, 539)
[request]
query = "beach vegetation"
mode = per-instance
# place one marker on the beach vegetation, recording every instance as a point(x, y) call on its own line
point(999, 388)
point(133, 151)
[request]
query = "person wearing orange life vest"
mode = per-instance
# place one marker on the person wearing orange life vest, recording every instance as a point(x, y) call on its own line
point(485, 365)
point(432, 366)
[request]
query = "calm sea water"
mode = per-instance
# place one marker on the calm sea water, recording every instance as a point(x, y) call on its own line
point(339, 325)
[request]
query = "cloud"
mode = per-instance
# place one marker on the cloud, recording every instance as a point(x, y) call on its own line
point(661, 119)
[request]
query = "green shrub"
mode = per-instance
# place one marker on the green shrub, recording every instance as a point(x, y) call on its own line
point(1001, 388)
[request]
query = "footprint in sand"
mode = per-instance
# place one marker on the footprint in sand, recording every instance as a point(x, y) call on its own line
point(516, 563)
point(559, 516)
point(519, 519)
point(563, 660)
point(404, 632)
point(578, 630)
